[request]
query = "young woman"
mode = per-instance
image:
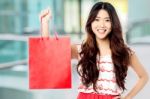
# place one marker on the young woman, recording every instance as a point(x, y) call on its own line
point(103, 57)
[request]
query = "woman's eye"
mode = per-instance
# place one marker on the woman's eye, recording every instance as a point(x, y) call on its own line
point(107, 20)
point(96, 19)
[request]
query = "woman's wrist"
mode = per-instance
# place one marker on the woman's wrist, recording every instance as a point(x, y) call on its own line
point(44, 22)
point(128, 97)
point(45, 29)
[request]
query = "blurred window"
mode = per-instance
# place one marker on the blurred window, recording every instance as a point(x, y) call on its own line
point(12, 51)
point(13, 16)
point(139, 32)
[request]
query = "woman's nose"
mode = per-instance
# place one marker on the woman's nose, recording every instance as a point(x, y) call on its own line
point(101, 24)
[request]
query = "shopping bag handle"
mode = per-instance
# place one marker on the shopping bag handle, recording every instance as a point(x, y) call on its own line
point(55, 32)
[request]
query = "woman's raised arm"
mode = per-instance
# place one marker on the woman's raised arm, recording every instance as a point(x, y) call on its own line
point(45, 17)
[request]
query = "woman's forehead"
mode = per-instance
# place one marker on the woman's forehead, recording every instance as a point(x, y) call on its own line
point(102, 14)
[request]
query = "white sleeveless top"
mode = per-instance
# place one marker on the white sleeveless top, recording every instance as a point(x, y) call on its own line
point(106, 83)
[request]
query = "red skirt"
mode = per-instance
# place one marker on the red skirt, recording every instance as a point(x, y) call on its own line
point(94, 96)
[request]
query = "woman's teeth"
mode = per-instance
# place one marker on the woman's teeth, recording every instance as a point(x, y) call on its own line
point(101, 30)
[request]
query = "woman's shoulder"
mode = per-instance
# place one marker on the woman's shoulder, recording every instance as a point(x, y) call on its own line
point(75, 50)
point(130, 50)
point(76, 46)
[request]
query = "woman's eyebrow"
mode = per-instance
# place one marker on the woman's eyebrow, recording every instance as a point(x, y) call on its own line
point(107, 18)
point(104, 17)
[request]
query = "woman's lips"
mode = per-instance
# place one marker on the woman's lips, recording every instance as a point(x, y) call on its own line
point(101, 30)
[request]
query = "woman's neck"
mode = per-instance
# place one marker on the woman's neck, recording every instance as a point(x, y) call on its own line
point(104, 46)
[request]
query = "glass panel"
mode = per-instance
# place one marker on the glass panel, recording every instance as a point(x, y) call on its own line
point(12, 51)
point(139, 32)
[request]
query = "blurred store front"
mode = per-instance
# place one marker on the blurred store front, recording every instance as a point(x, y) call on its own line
point(19, 20)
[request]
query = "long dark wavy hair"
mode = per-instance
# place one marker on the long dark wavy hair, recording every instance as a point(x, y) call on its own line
point(87, 66)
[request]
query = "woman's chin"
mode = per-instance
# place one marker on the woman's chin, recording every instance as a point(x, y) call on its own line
point(102, 37)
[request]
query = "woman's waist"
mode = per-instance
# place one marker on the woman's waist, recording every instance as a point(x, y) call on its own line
point(102, 91)
point(98, 94)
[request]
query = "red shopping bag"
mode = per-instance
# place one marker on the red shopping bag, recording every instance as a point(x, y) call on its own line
point(49, 63)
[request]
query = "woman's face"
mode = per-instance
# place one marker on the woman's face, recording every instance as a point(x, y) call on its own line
point(101, 26)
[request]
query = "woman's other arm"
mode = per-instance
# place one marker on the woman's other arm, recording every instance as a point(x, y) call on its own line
point(141, 73)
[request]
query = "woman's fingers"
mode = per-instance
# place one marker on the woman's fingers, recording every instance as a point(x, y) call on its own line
point(45, 15)
point(117, 97)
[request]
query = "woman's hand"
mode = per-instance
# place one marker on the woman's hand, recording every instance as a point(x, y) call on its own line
point(119, 97)
point(44, 17)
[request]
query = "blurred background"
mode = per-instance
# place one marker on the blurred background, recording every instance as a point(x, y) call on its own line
point(19, 20)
